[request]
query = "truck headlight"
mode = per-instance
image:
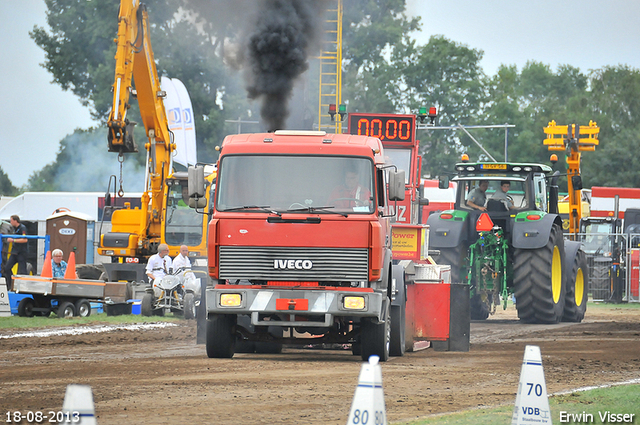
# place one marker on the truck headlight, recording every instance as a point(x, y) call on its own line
point(230, 300)
point(353, 303)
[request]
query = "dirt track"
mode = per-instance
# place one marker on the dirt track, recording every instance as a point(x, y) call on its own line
point(162, 377)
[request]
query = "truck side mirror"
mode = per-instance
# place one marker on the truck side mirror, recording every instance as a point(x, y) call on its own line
point(196, 181)
point(443, 182)
point(396, 185)
point(576, 181)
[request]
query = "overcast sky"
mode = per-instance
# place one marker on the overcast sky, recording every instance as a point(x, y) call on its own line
point(36, 114)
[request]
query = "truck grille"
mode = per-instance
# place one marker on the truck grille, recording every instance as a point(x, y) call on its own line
point(304, 264)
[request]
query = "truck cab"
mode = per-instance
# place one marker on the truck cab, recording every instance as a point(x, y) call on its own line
point(299, 242)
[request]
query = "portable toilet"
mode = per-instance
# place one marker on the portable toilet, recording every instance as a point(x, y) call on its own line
point(72, 232)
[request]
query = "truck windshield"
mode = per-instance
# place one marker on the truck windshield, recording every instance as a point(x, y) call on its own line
point(183, 224)
point(298, 184)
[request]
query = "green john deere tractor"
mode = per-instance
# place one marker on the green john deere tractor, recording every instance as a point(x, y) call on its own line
point(510, 241)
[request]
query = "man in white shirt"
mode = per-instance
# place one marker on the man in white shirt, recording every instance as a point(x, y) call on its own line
point(160, 263)
point(182, 259)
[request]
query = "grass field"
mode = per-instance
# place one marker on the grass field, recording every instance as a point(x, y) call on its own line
point(15, 322)
point(621, 399)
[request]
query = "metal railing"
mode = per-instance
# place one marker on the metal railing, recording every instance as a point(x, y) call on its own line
point(610, 280)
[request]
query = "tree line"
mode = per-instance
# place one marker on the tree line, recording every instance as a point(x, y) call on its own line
point(201, 42)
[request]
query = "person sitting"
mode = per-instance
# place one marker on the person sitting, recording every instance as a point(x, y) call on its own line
point(501, 195)
point(350, 194)
point(478, 197)
point(58, 265)
point(159, 264)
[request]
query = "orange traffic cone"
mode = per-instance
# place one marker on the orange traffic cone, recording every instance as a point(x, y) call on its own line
point(71, 267)
point(46, 267)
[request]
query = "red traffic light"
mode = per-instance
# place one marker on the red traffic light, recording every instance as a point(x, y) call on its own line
point(433, 112)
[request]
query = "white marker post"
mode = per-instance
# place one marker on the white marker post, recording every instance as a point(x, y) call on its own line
point(532, 402)
point(368, 400)
point(5, 304)
point(78, 406)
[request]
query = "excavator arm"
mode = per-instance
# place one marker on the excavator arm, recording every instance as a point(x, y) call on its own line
point(573, 139)
point(135, 63)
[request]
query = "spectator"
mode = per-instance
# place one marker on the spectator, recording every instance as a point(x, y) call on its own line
point(18, 252)
point(159, 264)
point(58, 265)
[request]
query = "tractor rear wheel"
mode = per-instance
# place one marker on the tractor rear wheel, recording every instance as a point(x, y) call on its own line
point(479, 309)
point(575, 304)
point(539, 280)
point(456, 257)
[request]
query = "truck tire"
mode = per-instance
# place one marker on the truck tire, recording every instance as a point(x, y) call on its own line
point(146, 305)
point(479, 309)
point(270, 347)
point(601, 282)
point(83, 307)
point(375, 338)
point(189, 306)
point(575, 305)
point(397, 344)
point(539, 280)
point(244, 345)
point(221, 339)
point(25, 307)
point(89, 271)
point(456, 257)
point(66, 309)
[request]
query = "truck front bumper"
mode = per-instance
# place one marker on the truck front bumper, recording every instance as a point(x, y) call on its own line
point(294, 307)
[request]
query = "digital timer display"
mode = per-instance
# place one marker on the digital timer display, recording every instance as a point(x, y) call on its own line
point(386, 127)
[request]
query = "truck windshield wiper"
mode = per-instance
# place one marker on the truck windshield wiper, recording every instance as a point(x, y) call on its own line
point(265, 208)
point(316, 209)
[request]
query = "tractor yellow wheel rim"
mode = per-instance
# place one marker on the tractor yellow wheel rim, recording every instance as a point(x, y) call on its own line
point(579, 287)
point(556, 275)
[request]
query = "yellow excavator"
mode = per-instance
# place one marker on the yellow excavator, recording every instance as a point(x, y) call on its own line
point(164, 215)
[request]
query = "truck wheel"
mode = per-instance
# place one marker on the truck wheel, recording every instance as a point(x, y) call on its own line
point(375, 338)
point(189, 305)
point(456, 257)
point(25, 307)
point(270, 347)
point(83, 308)
point(89, 271)
point(601, 282)
point(479, 308)
point(221, 339)
point(66, 309)
point(146, 305)
point(397, 341)
point(539, 281)
point(575, 304)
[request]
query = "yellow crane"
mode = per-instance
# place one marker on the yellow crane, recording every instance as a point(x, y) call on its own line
point(164, 216)
point(573, 139)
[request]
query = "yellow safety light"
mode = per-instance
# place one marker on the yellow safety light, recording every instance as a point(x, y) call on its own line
point(465, 157)
point(353, 303)
point(230, 300)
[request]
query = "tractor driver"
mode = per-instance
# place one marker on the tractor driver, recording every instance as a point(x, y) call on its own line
point(478, 196)
point(501, 194)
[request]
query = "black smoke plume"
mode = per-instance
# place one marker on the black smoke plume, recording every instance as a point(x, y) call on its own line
point(284, 33)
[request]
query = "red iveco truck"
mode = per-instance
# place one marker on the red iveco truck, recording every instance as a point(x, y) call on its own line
point(299, 244)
